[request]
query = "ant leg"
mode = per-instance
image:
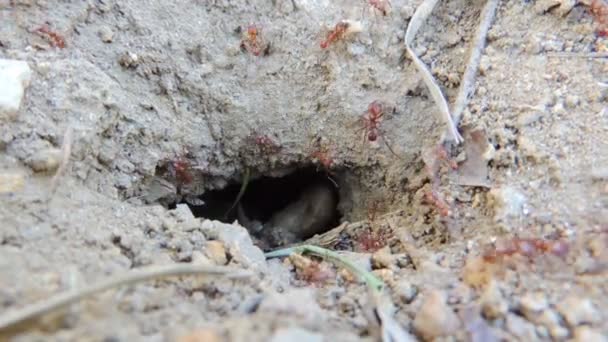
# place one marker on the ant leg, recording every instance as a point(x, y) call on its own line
point(390, 148)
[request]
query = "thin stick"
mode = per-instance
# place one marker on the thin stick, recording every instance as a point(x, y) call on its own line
point(138, 275)
point(468, 79)
point(578, 54)
point(242, 190)
point(422, 13)
point(66, 149)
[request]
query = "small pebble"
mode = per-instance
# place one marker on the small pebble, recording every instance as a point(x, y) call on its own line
point(46, 160)
point(577, 311)
point(216, 251)
point(493, 303)
point(527, 118)
point(572, 101)
point(532, 304)
point(507, 202)
point(587, 334)
point(435, 318)
point(405, 290)
point(382, 259)
point(129, 60)
point(559, 108)
point(521, 328)
point(106, 34)
point(11, 182)
point(551, 320)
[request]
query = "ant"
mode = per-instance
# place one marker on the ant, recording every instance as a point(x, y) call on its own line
point(336, 34)
point(432, 197)
point(526, 247)
point(54, 38)
point(371, 120)
point(179, 169)
point(266, 144)
point(371, 123)
point(252, 41)
point(321, 154)
point(381, 5)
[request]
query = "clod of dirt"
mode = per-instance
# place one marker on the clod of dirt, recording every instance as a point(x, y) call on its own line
point(106, 34)
point(493, 303)
point(46, 160)
point(585, 333)
point(532, 304)
point(216, 252)
point(382, 259)
point(11, 182)
point(520, 328)
point(435, 318)
point(238, 242)
point(295, 302)
point(551, 320)
point(507, 202)
point(577, 311)
point(14, 79)
point(405, 290)
point(562, 7)
point(474, 170)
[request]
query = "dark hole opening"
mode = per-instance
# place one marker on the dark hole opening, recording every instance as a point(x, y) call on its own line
point(267, 197)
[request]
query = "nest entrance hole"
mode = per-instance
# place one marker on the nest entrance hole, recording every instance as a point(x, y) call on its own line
point(264, 197)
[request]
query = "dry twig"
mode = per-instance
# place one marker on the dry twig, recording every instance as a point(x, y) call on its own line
point(422, 13)
point(58, 301)
point(467, 85)
point(66, 149)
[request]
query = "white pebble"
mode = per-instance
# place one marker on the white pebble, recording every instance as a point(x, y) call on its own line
point(15, 77)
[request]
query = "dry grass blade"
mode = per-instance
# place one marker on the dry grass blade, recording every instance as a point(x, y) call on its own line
point(468, 79)
point(11, 319)
point(422, 13)
point(378, 305)
point(66, 149)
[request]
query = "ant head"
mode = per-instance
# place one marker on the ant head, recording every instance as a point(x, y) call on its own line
point(372, 136)
point(375, 108)
point(252, 30)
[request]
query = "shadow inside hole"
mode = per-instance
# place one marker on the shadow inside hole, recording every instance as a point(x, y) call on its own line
point(266, 198)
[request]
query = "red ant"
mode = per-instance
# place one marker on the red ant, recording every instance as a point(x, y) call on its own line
point(322, 157)
point(252, 40)
point(336, 34)
point(432, 197)
point(179, 169)
point(371, 124)
point(527, 247)
point(266, 144)
point(321, 154)
point(370, 241)
point(53, 37)
point(381, 5)
point(371, 120)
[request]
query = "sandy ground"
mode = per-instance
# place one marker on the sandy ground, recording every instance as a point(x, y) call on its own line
point(502, 238)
